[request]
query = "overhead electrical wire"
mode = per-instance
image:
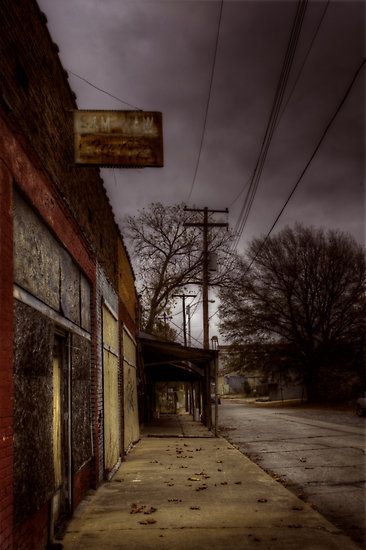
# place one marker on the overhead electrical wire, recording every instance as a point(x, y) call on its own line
point(207, 104)
point(304, 61)
point(296, 80)
point(314, 153)
point(104, 91)
point(271, 126)
point(316, 149)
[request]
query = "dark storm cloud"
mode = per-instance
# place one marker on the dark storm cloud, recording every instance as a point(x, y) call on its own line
point(158, 55)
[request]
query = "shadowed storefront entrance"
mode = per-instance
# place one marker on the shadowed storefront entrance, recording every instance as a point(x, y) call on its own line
point(177, 380)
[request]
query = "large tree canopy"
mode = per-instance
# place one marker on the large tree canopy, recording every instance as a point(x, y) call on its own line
point(168, 255)
point(304, 287)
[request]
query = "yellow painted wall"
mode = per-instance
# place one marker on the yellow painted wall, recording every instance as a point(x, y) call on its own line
point(126, 281)
point(110, 384)
point(131, 417)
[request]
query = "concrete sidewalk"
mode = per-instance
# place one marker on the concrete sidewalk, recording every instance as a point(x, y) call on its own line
point(196, 492)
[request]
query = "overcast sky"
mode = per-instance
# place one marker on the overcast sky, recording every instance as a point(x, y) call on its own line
point(158, 55)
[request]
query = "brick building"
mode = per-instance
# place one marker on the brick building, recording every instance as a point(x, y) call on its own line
point(68, 399)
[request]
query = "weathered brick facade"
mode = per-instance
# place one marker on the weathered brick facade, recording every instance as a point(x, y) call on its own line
point(71, 231)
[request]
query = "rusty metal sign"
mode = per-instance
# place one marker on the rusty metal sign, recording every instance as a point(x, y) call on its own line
point(118, 138)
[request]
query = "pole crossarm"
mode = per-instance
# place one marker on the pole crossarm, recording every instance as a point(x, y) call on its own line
point(208, 224)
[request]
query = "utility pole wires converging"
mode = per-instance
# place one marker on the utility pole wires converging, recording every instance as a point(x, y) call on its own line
point(205, 225)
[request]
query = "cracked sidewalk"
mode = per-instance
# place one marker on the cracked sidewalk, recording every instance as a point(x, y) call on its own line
point(196, 492)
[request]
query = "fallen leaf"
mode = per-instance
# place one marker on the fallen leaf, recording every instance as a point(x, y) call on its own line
point(137, 508)
point(147, 521)
point(150, 510)
point(194, 479)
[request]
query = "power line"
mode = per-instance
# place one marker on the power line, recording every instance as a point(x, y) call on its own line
point(325, 131)
point(104, 91)
point(292, 89)
point(315, 151)
point(271, 126)
point(304, 61)
point(208, 103)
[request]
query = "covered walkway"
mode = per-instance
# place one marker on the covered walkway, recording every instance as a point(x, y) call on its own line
point(175, 377)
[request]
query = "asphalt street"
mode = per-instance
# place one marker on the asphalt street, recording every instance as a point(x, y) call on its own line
point(317, 453)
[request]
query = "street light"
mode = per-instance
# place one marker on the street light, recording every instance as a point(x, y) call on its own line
point(215, 347)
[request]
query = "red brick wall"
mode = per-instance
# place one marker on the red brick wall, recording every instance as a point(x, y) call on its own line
point(41, 194)
point(33, 533)
point(38, 190)
point(6, 356)
point(81, 484)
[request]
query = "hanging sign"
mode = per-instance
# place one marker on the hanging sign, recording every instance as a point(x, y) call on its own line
point(118, 138)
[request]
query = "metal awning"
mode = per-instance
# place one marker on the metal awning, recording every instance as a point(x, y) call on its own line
point(167, 360)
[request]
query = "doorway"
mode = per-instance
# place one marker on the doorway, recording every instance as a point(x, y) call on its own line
point(61, 437)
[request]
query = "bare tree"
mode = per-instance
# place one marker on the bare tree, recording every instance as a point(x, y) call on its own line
point(168, 255)
point(305, 287)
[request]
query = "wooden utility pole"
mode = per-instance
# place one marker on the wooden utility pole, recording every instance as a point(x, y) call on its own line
point(184, 296)
point(205, 279)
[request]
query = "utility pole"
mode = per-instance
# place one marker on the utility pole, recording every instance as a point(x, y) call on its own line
point(205, 279)
point(184, 296)
point(188, 310)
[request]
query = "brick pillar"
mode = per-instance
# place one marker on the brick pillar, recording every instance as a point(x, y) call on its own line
point(6, 357)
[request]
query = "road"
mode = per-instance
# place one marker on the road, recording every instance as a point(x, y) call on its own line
point(317, 453)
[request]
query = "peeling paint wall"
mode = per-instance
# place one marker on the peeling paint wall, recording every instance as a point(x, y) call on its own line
point(45, 269)
point(33, 453)
point(53, 283)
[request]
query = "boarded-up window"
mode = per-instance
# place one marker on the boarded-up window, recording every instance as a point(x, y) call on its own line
point(131, 419)
point(110, 384)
